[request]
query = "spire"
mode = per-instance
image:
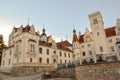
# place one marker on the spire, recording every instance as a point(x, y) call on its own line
point(28, 21)
point(66, 37)
point(75, 39)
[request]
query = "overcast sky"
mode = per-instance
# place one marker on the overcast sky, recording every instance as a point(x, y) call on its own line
point(58, 16)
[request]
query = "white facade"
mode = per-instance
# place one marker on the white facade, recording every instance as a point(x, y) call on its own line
point(100, 43)
point(27, 47)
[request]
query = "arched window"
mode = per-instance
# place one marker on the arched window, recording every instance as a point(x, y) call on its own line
point(83, 53)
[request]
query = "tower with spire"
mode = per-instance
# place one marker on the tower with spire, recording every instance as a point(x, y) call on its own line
point(76, 48)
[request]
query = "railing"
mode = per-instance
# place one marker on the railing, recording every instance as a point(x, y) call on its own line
point(32, 64)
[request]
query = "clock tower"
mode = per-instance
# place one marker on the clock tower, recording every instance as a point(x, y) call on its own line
point(99, 36)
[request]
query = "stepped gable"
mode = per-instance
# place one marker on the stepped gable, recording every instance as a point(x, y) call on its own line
point(108, 31)
point(26, 28)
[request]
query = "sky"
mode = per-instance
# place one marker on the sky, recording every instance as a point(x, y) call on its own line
point(58, 16)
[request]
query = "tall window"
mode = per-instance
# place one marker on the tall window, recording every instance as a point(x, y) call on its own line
point(10, 52)
point(17, 48)
point(65, 61)
point(112, 49)
point(32, 48)
point(60, 61)
point(3, 62)
point(82, 46)
point(54, 60)
point(47, 60)
point(98, 33)
point(110, 41)
point(119, 47)
point(69, 55)
point(101, 49)
point(54, 52)
point(40, 60)
point(90, 52)
point(4, 54)
point(60, 53)
point(40, 50)
point(17, 60)
point(47, 51)
point(9, 61)
point(83, 53)
point(65, 54)
point(31, 60)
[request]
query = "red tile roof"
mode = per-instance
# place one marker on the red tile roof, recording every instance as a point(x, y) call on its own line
point(50, 44)
point(64, 44)
point(26, 28)
point(110, 31)
point(75, 38)
point(81, 39)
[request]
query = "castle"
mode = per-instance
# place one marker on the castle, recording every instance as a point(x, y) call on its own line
point(29, 48)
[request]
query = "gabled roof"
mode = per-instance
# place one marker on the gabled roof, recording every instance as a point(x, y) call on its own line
point(75, 37)
point(26, 28)
point(64, 44)
point(108, 31)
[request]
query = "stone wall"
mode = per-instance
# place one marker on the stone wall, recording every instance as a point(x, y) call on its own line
point(65, 72)
point(30, 70)
point(98, 71)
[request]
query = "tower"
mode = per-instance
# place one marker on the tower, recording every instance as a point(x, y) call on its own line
point(99, 36)
point(76, 50)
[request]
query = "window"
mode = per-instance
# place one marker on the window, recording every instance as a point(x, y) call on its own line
point(60, 53)
point(17, 60)
point(17, 48)
point(65, 61)
point(9, 62)
point(60, 61)
point(10, 52)
point(30, 59)
point(47, 51)
point(112, 49)
point(90, 52)
point(47, 60)
point(110, 41)
point(54, 60)
point(98, 33)
point(54, 52)
point(82, 46)
point(69, 55)
point(88, 45)
point(119, 47)
point(117, 39)
point(3, 62)
point(83, 53)
point(40, 50)
point(32, 48)
point(95, 21)
point(64, 54)
point(4, 54)
point(101, 49)
point(40, 60)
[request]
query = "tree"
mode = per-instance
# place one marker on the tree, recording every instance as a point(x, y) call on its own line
point(2, 46)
